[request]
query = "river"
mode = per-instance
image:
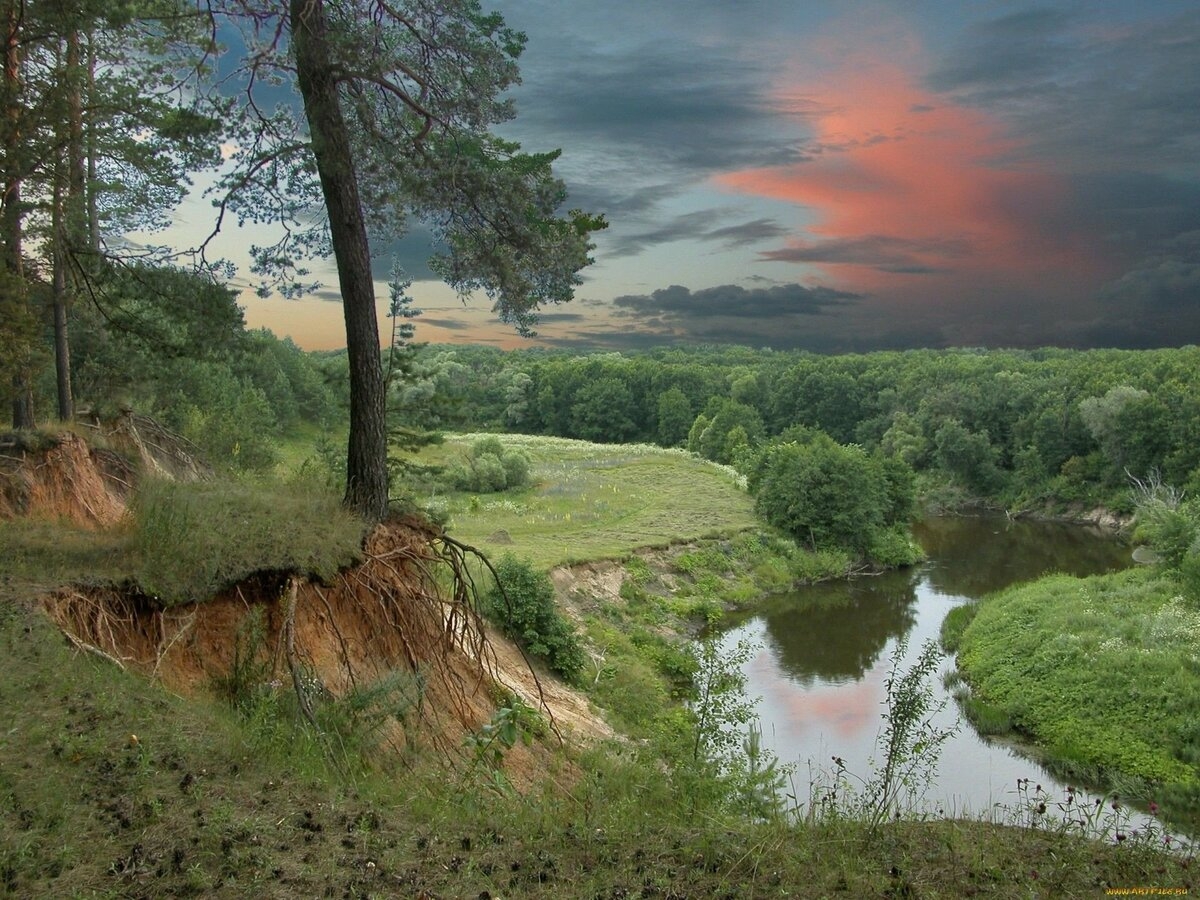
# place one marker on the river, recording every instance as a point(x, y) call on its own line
point(824, 654)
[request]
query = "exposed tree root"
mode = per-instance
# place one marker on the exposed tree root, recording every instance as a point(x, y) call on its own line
point(410, 606)
point(289, 642)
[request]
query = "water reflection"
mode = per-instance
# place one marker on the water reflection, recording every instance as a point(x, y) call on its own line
point(836, 632)
point(974, 556)
point(826, 651)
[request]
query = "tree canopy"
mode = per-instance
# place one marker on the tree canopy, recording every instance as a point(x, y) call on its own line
point(379, 113)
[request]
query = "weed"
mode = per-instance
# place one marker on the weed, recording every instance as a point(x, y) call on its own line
point(250, 669)
point(910, 742)
point(51, 553)
point(909, 745)
point(513, 720)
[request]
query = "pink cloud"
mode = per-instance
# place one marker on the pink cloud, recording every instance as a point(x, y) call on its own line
point(909, 188)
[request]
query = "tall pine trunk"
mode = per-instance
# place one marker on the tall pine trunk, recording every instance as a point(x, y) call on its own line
point(69, 225)
point(22, 405)
point(366, 462)
point(62, 300)
point(88, 174)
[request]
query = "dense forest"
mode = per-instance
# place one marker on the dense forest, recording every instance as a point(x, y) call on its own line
point(1013, 429)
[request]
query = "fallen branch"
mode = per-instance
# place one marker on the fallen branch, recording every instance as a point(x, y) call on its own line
point(91, 648)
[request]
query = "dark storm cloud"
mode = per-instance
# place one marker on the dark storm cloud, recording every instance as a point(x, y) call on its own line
point(697, 226)
point(560, 317)
point(598, 338)
point(1160, 298)
point(1172, 284)
point(666, 101)
point(747, 233)
point(1141, 218)
point(329, 295)
point(1091, 97)
point(1116, 109)
point(759, 333)
point(887, 254)
point(448, 324)
point(641, 114)
point(1021, 48)
point(621, 200)
point(663, 106)
point(679, 305)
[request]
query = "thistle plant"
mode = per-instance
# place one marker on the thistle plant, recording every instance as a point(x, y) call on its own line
point(910, 744)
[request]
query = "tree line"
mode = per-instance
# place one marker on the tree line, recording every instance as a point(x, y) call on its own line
point(1014, 429)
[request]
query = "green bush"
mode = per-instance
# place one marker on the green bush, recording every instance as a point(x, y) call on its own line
point(830, 496)
point(488, 468)
point(487, 446)
point(522, 604)
point(516, 468)
point(893, 547)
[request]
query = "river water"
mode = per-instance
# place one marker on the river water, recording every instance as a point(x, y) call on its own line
point(825, 653)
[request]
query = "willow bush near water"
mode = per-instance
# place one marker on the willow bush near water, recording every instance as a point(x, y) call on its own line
point(727, 737)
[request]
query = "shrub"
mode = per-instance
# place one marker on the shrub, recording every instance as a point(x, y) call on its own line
point(832, 497)
point(516, 468)
point(488, 468)
point(893, 547)
point(487, 446)
point(522, 604)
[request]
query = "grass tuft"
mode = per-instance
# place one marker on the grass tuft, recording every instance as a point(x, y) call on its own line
point(195, 539)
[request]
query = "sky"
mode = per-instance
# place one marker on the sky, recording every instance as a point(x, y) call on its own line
point(841, 176)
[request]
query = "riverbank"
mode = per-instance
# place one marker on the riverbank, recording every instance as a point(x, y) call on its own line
point(1100, 673)
point(109, 785)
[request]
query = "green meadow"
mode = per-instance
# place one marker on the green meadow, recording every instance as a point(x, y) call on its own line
point(1101, 673)
point(594, 501)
